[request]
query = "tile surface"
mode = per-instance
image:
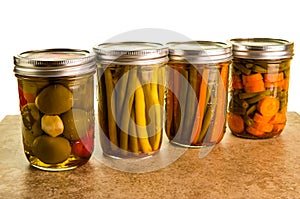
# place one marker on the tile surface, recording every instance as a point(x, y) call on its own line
point(235, 168)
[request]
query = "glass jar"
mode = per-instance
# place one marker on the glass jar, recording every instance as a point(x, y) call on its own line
point(131, 95)
point(197, 96)
point(259, 82)
point(56, 95)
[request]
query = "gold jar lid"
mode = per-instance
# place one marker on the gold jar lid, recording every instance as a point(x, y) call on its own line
point(55, 63)
point(199, 52)
point(262, 48)
point(131, 52)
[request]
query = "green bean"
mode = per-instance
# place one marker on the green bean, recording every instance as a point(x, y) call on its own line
point(127, 108)
point(250, 95)
point(241, 102)
point(255, 99)
point(259, 69)
point(251, 109)
point(242, 68)
point(112, 129)
point(249, 65)
point(190, 109)
point(248, 121)
point(182, 98)
point(133, 140)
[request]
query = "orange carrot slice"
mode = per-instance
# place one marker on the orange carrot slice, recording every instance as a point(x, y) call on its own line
point(278, 118)
point(258, 117)
point(255, 131)
point(268, 106)
point(256, 86)
point(251, 78)
point(273, 77)
point(235, 123)
point(274, 84)
point(263, 126)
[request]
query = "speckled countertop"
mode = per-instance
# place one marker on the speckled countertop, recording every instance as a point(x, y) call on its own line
point(235, 168)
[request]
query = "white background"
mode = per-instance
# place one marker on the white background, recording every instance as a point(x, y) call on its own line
point(30, 25)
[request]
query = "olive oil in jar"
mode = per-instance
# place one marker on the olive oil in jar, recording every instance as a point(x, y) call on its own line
point(56, 95)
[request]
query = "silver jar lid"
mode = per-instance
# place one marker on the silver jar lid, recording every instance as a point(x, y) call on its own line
point(55, 63)
point(200, 52)
point(262, 48)
point(131, 52)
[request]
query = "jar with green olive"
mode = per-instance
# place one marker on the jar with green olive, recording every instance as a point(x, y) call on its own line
point(131, 97)
point(56, 95)
point(197, 95)
point(259, 83)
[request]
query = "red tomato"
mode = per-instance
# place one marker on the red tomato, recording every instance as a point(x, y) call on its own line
point(85, 146)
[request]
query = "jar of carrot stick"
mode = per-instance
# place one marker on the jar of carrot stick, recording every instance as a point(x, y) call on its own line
point(131, 97)
point(259, 83)
point(197, 96)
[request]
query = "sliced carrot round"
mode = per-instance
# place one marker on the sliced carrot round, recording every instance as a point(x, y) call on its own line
point(252, 78)
point(235, 123)
point(268, 106)
point(255, 131)
point(258, 117)
point(263, 126)
point(273, 77)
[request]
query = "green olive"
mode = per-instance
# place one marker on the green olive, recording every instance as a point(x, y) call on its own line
point(51, 150)
point(30, 135)
point(76, 124)
point(54, 100)
point(30, 114)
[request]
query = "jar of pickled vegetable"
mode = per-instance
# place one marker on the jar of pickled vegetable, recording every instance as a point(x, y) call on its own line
point(259, 82)
point(131, 95)
point(197, 96)
point(56, 95)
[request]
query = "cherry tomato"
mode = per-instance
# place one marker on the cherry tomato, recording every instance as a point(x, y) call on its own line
point(85, 146)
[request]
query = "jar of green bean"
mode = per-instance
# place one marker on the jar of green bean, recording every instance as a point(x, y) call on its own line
point(131, 97)
point(197, 96)
point(259, 83)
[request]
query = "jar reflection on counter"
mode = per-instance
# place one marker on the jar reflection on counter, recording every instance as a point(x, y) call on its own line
point(197, 96)
point(131, 94)
point(56, 95)
point(259, 83)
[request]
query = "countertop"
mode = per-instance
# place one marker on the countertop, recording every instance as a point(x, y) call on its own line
point(235, 168)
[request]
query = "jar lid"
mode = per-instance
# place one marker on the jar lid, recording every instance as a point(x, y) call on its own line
point(131, 52)
point(262, 48)
point(199, 52)
point(54, 63)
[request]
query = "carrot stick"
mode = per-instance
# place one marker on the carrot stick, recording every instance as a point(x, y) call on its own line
point(176, 107)
point(201, 107)
point(221, 106)
point(170, 103)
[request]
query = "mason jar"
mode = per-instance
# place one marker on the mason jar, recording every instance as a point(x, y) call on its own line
point(56, 95)
point(197, 95)
point(259, 83)
point(131, 97)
